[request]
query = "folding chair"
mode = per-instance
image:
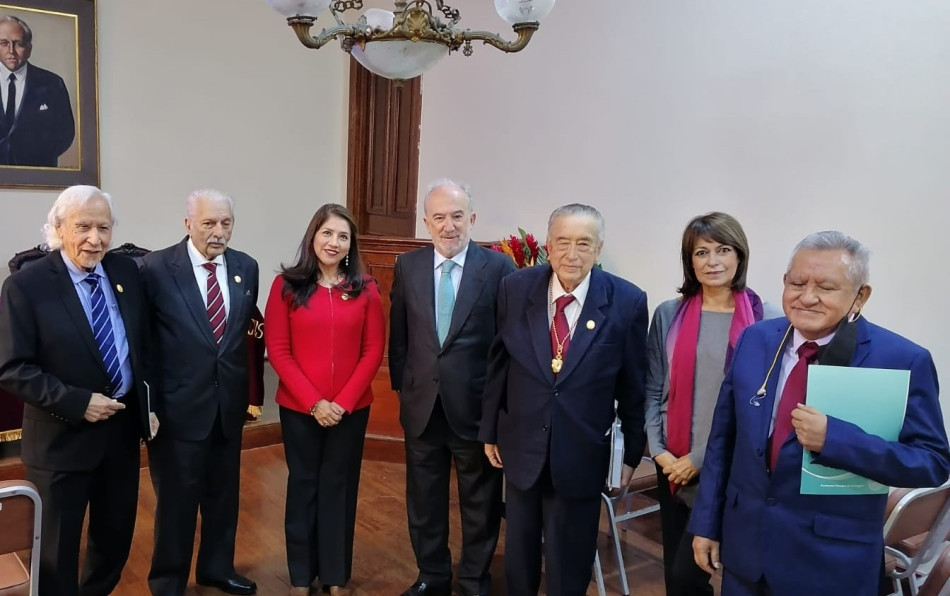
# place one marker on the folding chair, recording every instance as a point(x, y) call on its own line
point(914, 534)
point(20, 515)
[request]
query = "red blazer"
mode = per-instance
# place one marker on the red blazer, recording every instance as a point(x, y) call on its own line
point(329, 349)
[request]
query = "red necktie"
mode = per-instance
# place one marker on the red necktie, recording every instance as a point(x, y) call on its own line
point(216, 311)
point(561, 331)
point(794, 393)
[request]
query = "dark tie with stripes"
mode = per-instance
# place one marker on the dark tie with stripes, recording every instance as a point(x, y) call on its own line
point(102, 329)
point(216, 312)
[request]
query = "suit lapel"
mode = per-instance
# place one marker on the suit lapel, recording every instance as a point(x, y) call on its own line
point(422, 284)
point(236, 284)
point(184, 277)
point(864, 343)
point(470, 288)
point(67, 292)
point(594, 306)
point(538, 327)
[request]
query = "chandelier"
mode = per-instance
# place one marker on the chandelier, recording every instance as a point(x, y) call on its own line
point(403, 43)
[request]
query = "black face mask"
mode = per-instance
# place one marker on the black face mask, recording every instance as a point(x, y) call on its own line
point(840, 350)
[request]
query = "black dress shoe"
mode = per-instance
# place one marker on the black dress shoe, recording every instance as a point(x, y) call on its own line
point(426, 589)
point(236, 584)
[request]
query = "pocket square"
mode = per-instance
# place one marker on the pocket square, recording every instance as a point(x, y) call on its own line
point(44, 107)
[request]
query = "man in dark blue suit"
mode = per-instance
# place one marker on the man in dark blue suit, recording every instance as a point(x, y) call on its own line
point(570, 342)
point(36, 119)
point(750, 517)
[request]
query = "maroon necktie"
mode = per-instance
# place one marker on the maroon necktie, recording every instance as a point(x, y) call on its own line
point(561, 331)
point(216, 312)
point(794, 393)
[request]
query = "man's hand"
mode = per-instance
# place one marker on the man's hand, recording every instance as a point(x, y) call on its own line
point(626, 474)
point(665, 461)
point(327, 413)
point(810, 427)
point(494, 456)
point(682, 471)
point(706, 554)
point(152, 425)
point(101, 407)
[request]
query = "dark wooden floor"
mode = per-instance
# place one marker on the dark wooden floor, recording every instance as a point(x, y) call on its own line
point(383, 560)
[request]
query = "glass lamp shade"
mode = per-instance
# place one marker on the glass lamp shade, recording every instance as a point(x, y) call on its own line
point(523, 11)
point(306, 8)
point(399, 59)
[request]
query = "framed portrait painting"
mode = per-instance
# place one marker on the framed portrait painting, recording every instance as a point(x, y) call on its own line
point(49, 113)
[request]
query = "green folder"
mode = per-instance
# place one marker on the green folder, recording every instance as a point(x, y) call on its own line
point(874, 399)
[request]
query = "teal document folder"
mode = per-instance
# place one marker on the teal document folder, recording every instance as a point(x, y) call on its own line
point(874, 399)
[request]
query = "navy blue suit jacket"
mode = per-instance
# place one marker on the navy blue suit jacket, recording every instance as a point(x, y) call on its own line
point(44, 127)
point(536, 417)
point(811, 544)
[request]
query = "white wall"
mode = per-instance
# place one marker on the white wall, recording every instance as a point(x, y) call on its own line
point(212, 93)
point(794, 116)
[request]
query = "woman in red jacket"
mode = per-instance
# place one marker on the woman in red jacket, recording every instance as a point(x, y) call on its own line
point(325, 335)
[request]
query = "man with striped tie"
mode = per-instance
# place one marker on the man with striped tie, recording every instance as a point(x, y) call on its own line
point(201, 297)
point(72, 342)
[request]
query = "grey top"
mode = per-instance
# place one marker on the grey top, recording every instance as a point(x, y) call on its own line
point(710, 363)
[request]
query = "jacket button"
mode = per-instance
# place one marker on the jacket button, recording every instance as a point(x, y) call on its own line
point(215, 382)
point(544, 428)
point(770, 501)
point(758, 452)
point(556, 393)
point(435, 379)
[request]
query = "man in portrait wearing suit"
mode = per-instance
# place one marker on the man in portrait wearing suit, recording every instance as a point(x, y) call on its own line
point(571, 342)
point(442, 321)
point(72, 342)
point(36, 122)
point(750, 517)
point(201, 296)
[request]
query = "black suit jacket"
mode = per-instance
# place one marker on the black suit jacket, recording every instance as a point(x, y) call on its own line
point(196, 377)
point(537, 417)
point(44, 127)
point(49, 359)
point(419, 367)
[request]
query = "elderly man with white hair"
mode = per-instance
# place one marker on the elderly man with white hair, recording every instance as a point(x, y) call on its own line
point(201, 296)
point(72, 341)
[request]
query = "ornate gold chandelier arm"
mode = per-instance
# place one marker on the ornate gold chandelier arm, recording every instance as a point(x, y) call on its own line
point(524, 31)
point(303, 25)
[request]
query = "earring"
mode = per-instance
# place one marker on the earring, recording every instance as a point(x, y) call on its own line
point(346, 261)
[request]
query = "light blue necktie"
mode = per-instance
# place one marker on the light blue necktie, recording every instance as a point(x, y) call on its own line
point(446, 300)
point(102, 329)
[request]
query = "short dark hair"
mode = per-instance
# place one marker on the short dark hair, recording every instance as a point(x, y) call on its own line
point(301, 278)
point(717, 227)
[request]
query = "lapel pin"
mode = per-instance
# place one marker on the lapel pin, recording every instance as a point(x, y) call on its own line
point(119, 288)
point(237, 279)
point(591, 324)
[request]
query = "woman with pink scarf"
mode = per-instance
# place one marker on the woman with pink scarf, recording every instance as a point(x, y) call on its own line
point(689, 347)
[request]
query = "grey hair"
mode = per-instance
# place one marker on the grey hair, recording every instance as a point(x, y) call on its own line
point(451, 183)
point(859, 267)
point(27, 32)
point(68, 200)
point(579, 209)
point(206, 193)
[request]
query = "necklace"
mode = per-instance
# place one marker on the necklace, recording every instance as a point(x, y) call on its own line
point(557, 363)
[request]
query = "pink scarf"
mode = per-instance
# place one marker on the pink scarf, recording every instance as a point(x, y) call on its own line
point(681, 342)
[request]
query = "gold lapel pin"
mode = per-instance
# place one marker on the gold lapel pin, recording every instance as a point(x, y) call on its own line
point(119, 288)
point(591, 324)
point(237, 279)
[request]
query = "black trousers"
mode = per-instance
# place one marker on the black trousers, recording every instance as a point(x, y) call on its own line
point(322, 486)
point(569, 528)
point(429, 460)
point(111, 493)
point(189, 476)
point(683, 576)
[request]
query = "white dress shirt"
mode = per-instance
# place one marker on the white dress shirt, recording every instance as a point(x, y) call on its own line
point(201, 275)
point(20, 84)
point(573, 310)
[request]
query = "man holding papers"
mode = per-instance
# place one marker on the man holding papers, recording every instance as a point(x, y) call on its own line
point(750, 517)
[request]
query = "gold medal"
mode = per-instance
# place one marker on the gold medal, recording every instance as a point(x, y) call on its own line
point(556, 364)
point(237, 279)
point(119, 288)
point(345, 296)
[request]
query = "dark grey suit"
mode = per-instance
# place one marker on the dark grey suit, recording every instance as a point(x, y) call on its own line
point(50, 360)
point(440, 398)
point(195, 461)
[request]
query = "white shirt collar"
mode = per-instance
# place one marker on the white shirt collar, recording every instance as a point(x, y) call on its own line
point(579, 293)
point(20, 73)
point(798, 339)
point(198, 259)
point(458, 259)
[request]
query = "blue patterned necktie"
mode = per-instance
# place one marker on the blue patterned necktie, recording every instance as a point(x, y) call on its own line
point(102, 329)
point(446, 300)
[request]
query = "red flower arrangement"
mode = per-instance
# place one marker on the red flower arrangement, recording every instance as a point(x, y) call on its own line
point(524, 250)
